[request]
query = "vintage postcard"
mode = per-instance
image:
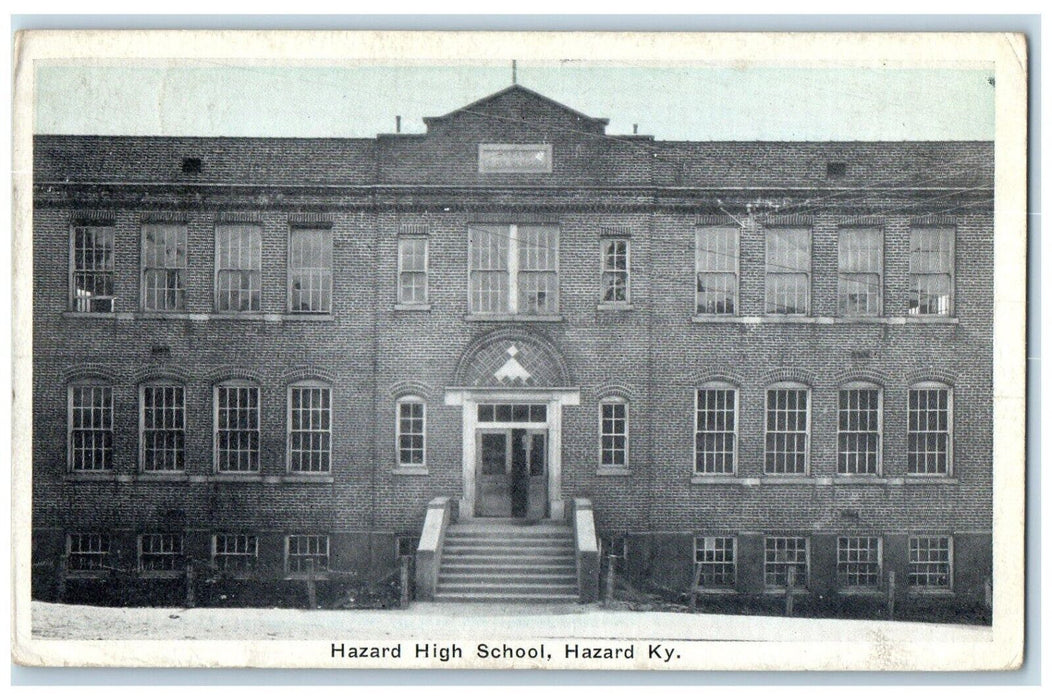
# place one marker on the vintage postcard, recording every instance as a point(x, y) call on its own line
point(520, 350)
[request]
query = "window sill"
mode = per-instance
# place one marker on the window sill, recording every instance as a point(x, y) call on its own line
point(169, 574)
point(91, 476)
point(825, 320)
point(210, 316)
point(721, 479)
point(514, 317)
point(88, 574)
point(919, 592)
point(783, 590)
point(412, 307)
point(318, 576)
point(307, 479)
point(846, 480)
point(715, 591)
point(615, 307)
point(161, 476)
point(410, 471)
point(934, 479)
point(859, 592)
point(613, 471)
point(221, 478)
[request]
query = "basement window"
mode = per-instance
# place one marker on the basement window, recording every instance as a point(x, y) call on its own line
point(836, 169)
point(192, 166)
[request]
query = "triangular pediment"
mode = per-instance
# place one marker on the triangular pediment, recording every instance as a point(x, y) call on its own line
point(520, 104)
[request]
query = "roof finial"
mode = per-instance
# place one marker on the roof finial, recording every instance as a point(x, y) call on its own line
point(514, 77)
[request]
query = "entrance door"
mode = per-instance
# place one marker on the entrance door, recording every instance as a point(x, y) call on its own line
point(512, 475)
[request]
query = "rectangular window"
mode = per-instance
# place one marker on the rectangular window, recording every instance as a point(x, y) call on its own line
point(787, 431)
point(238, 267)
point(858, 431)
point(160, 552)
point(714, 557)
point(310, 439)
point(163, 428)
point(164, 266)
point(412, 270)
point(87, 551)
point(237, 428)
point(615, 265)
point(858, 562)
point(410, 433)
point(92, 283)
point(303, 551)
point(928, 430)
point(512, 413)
point(310, 270)
point(931, 560)
point(91, 428)
point(861, 270)
point(514, 269)
point(716, 266)
point(235, 552)
point(788, 271)
point(782, 555)
point(613, 434)
point(715, 431)
point(931, 271)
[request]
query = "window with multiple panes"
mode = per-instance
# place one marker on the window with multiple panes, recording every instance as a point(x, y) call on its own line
point(615, 270)
point(513, 268)
point(92, 269)
point(164, 266)
point(160, 552)
point(310, 426)
point(716, 268)
point(613, 433)
point(928, 429)
point(412, 270)
point(782, 555)
point(858, 429)
point(163, 418)
point(238, 267)
point(715, 559)
point(87, 551)
point(237, 427)
point(931, 271)
point(235, 552)
point(715, 429)
point(310, 269)
point(90, 427)
point(788, 427)
point(788, 271)
point(858, 561)
point(931, 562)
point(860, 273)
point(512, 413)
point(411, 432)
point(302, 551)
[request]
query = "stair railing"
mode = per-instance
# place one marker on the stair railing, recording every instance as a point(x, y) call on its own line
point(429, 552)
point(586, 547)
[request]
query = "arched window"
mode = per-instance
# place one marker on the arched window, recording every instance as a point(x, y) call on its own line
point(237, 427)
point(859, 427)
point(788, 429)
point(613, 433)
point(309, 424)
point(162, 426)
point(411, 432)
point(929, 429)
point(90, 426)
point(716, 429)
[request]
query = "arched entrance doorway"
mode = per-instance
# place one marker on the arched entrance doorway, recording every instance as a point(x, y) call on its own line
point(512, 385)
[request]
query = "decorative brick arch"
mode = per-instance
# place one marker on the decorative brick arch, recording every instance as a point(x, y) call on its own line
point(509, 358)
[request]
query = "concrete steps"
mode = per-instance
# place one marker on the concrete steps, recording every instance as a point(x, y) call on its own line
point(505, 561)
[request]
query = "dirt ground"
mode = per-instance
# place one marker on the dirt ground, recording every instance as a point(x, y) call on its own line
point(55, 621)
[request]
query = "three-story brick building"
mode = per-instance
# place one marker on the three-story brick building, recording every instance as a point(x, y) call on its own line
point(752, 357)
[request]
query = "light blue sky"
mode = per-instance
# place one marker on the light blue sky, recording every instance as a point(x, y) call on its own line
point(669, 102)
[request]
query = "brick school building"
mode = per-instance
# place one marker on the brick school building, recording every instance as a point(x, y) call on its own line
point(757, 361)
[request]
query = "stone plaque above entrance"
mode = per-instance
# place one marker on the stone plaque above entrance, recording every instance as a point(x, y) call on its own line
point(509, 360)
point(515, 158)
